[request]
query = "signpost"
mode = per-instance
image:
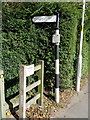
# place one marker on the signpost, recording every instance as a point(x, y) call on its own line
point(40, 19)
point(56, 40)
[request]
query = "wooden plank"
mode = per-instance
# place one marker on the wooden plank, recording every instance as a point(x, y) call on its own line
point(23, 89)
point(1, 72)
point(38, 67)
point(33, 100)
point(22, 93)
point(41, 77)
point(30, 87)
point(15, 102)
point(2, 97)
point(29, 70)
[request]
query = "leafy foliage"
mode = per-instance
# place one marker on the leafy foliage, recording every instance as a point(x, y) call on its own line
point(25, 42)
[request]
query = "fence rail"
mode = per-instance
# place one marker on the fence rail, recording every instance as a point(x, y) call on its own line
point(24, 89)
point(33, 85)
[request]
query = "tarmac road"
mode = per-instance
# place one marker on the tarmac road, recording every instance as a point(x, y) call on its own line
point(78, 107)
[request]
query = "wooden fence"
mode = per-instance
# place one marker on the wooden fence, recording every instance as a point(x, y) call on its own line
point(24, 72)
point(2, 97)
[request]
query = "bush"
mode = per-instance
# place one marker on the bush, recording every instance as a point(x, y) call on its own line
point(25, 42)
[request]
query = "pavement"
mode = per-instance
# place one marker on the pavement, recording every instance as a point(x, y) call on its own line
point(78, 107)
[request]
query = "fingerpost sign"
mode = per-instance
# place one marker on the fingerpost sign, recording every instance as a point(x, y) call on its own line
point(56, 40)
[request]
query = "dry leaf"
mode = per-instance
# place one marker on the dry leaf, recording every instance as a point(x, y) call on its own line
point(8, 113)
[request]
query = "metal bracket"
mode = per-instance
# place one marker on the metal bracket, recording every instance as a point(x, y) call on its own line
point(56, 38)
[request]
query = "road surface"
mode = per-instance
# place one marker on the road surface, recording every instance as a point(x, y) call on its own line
point(78, 107)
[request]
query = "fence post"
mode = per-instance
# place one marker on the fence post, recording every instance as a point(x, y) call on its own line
point(2, 97)
point(22, 92)
point(41, 78)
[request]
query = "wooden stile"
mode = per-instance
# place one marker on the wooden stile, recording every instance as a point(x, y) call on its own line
point(24, 89)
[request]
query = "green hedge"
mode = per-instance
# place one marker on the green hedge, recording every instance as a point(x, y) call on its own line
point(25, 42)
point(86, 41)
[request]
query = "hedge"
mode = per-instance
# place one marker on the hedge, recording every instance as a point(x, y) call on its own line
point(26, 43)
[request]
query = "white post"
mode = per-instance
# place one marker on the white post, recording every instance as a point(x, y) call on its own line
point(80, 52)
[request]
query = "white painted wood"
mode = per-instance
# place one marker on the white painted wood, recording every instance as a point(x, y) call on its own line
point(30, 87)
point(24, 72)
point(1, 72)
point(36, 68)
point(29, 70)
point(33, 100)
point(15, 103)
